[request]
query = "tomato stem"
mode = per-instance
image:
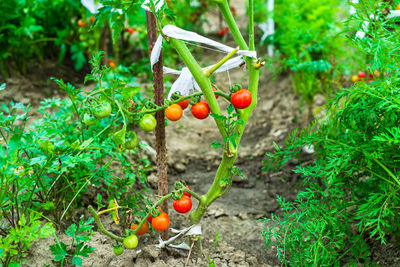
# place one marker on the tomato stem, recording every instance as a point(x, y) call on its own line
point(155, 205)
point(101, 227)
point(219, 64)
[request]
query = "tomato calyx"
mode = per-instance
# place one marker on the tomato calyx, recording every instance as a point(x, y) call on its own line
point(176, 195)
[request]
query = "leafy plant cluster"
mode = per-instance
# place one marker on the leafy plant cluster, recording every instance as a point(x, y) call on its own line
point(309, 44)
point(34, 29)
point(351, 190)
point(47, 164)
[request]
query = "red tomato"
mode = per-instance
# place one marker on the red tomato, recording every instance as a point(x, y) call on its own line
point(241, 99)
point(183, 205)
point(161, 222)
point(184, 103)
point(91, 19)
point(200, 110)
point(173, 112)
point(361, 74)
point(221, 32)
point(214, 89)
point(142, 230)
point(129, 30)
point(187, 194)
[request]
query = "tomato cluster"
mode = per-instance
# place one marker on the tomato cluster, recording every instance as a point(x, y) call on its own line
point(240, 99)
point(361, 76)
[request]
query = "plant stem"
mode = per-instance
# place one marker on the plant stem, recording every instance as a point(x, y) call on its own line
point(226, 12)
point(219, 64)
point(101, 227)
point(215, 190)
point(161, 200)
point(251, 25)
point(200, 78)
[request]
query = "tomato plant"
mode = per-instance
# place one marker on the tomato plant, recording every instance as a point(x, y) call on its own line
point(161, 222)
point(241, 99)
point(183, 205)
point(200, 110)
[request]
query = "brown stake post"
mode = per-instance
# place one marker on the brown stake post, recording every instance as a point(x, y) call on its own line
point(158, 82)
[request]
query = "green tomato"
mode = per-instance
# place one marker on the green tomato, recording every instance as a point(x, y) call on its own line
point(131, 242)
point(131, 140)
point(89, 119)
point(102, 109)
point(82, 30)
point(118, 250)
point(82, 37)
point(147, 123)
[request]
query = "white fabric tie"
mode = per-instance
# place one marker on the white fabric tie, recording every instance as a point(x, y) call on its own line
point(191, 230)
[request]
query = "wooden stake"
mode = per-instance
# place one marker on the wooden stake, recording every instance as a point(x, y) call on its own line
point(158, 82)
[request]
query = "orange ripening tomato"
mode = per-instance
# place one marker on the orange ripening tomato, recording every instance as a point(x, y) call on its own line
point(142, 230)
point(161, 222)
point(91, 19)
point(355, 78)
point(81, 23)
point(111, 63)
point(173, 112)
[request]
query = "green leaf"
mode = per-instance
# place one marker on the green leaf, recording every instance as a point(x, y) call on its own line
point(77, 260)
point(216, 145)
point(218, 117)
point(59, 251)
point(2, 86)
point(47, 230)
point(71, 230)
point(230, 109)
point(117, 25)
